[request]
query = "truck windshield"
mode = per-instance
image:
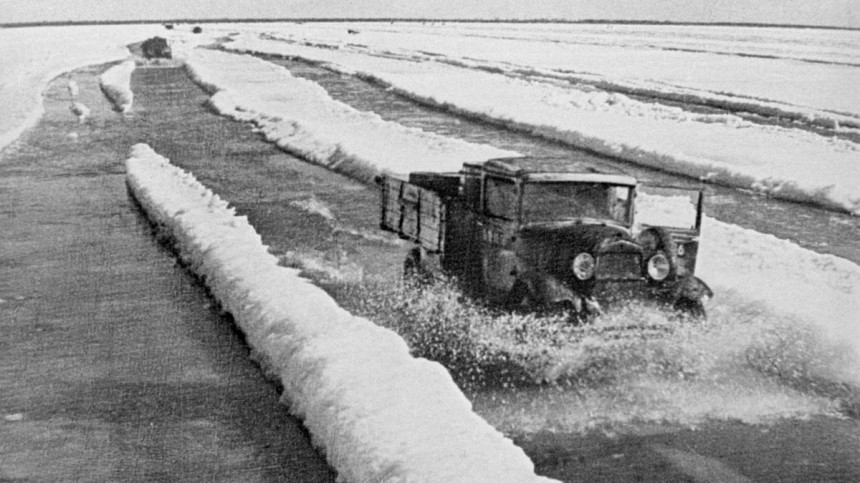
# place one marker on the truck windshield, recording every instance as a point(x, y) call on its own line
point(563, 201)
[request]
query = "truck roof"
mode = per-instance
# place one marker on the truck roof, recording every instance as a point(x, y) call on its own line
point(555, 169)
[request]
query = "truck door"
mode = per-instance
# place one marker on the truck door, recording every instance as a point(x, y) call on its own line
point(497, 227)
point(462, 237)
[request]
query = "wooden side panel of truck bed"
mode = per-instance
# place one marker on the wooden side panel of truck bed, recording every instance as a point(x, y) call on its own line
point(413, 212)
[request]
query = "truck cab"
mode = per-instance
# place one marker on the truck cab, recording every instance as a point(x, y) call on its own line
point(544, 233)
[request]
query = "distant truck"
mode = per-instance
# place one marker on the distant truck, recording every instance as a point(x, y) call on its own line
point(545, 233)
point(156, 48)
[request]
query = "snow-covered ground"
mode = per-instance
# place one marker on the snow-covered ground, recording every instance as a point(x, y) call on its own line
point(527, 85)
point(30, 57)
point(379, 413)
point(739, 65)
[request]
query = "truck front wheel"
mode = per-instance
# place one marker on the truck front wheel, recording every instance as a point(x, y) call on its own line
point(519, 297)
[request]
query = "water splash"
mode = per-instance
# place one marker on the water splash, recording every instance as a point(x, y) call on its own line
point(638, 364)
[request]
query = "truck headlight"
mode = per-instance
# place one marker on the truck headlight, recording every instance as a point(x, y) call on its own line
point(583, 266)
point(658, 267)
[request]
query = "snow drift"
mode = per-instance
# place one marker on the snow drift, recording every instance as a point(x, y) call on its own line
point(300, 117)
point(802, 74)
point(379, 413)
point(116, 84)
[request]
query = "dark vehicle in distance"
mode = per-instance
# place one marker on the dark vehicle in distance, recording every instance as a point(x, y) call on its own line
point(546, 233)
point(156, 48)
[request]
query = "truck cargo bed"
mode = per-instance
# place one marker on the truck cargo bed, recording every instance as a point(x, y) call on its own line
point(413, 212)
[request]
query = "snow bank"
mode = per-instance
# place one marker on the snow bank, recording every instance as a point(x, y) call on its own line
point(786, 163)
point(303, 119)
point(380, 414)
point(31, 57)
point(116, 84)
point(820, 290)
point(80, 110)
point(801, 74)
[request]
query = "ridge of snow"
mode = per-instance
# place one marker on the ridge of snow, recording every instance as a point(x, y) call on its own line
point(116, 84)
point(379, 413)
point(821, 290)
point(720, 148)
point(300, 117)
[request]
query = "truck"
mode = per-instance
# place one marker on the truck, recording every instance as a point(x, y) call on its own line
point(540, 233)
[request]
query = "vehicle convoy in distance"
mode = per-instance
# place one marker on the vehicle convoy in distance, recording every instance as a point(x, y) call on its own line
point(546, 233)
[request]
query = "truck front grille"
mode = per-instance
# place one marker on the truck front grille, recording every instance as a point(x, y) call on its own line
point(619, 266)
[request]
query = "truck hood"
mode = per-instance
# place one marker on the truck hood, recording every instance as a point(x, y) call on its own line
point(578, 235)
point(551, 248)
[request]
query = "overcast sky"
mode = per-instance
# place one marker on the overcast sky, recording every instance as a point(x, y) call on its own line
point(840, 13)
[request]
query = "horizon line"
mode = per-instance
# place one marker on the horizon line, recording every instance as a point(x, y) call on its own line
point(62, 23)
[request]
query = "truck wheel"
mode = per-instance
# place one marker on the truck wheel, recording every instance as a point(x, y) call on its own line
point(413, 268)
point(519, 297)
point(581, 313)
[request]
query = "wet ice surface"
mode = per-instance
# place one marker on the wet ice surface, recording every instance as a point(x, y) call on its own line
point(310, 212)
point(114, 363)
point(293, 204)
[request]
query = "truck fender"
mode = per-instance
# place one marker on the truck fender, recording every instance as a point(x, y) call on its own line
point(691, 296)
point(693, 288)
